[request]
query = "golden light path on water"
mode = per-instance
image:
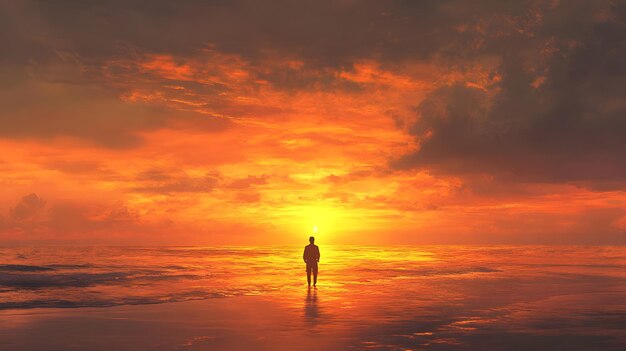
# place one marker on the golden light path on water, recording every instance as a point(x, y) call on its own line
point(368, 297)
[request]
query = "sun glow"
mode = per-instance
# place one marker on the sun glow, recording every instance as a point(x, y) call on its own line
point(328, 222)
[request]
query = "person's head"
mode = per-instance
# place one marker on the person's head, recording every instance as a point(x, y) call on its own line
point(311, 240)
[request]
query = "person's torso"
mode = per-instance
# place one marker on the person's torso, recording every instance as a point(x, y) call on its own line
point(311, 252)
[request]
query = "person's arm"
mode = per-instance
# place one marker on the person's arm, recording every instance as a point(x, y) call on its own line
point(318, 254)
point(304, 255)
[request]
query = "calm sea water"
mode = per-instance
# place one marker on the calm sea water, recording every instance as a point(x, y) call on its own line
point(390, 298)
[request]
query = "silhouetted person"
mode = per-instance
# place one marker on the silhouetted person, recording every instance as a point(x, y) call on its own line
point(311, 256)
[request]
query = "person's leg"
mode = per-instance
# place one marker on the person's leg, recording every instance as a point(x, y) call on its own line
point(314, 276)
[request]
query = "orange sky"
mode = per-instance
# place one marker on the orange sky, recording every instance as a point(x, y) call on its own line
point(240, 125)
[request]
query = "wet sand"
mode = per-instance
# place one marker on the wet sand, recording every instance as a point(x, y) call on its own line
point(317, 323)
point(235, 323)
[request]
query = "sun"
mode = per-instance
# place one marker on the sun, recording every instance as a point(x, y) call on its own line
point(314, 229)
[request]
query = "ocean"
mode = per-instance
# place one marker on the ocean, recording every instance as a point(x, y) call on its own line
point(367, 298)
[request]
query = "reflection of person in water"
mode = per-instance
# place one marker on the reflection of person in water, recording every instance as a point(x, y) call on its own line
point(311, 311)
point(311, 256)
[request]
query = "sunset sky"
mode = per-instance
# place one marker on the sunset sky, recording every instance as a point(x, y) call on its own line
point(251, 122)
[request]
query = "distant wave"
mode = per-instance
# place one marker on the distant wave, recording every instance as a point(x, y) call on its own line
point(37, 281)
point(23, 268)
point(45, 268)
point(61, 303)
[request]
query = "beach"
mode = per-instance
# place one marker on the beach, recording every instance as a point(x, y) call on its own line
point(383, 298)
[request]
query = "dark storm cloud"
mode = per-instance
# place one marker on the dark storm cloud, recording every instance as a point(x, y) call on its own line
point(47, 90)
point(320, 33)
point(55, 99)
point(324, 32)
point(53, 51)
point(557, 114)
point(42, 108)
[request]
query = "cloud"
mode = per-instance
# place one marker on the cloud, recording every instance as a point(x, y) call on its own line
point(248, 197)
point(479, 105)
point(74, 167)
point(33, 217)
point(249, 181)
point(187, 63)
point(291, 46)
point(50, 101)
point(28, 207)
point(70, 218)
point(165, 183)
point(559, 117)
point(326, 33)
point(123, 215)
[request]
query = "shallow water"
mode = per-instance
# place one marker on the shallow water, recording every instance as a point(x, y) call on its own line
point(390, 298)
